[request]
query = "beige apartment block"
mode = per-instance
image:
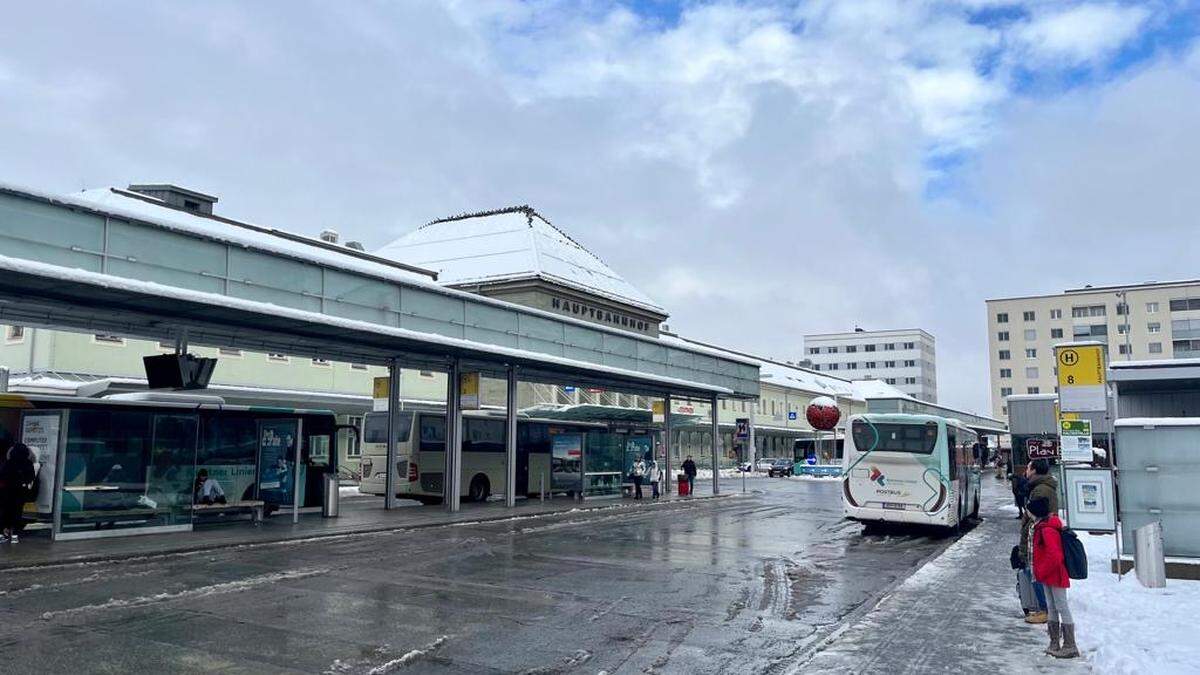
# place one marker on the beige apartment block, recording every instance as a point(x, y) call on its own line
point(1149, 321)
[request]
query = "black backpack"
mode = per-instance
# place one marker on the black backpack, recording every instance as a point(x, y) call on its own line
point(1074, 555)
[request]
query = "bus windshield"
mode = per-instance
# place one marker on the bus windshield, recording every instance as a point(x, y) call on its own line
point(376, 424)
point(912, 438)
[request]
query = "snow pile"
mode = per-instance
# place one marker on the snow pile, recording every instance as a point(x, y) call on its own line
point(805, 477)
point(352, 492)
point(1127, 628)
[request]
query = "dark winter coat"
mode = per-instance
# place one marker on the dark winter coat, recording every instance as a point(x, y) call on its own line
point(1044, 487)
point(689, 468)
point(16, 474)
point(1048, 565)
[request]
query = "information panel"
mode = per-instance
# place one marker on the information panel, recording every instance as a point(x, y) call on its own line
point(277, 460)
point(1076, 438)
point(1091, 505)
point(40, 433)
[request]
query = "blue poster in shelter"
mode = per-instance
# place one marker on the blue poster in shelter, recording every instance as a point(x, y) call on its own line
point(277, 460)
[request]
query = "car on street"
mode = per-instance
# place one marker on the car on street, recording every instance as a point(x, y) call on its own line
point(745, 467)
point(764, 464)
point(781, 467)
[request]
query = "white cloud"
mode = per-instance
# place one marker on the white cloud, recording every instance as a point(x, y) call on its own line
point(1081, 34)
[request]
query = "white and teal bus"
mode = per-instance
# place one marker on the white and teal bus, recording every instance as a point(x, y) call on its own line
point(549, 456)
point(916, 469)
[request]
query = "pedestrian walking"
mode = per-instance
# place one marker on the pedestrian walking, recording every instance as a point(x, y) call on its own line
point(1050, 568)
point(655, 477)
point(689, 470)
point(17, 477)
point(638, 473)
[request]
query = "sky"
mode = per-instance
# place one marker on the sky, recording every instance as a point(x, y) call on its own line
point(763, 169)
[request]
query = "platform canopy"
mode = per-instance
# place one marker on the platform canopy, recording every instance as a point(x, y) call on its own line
point(124, 263)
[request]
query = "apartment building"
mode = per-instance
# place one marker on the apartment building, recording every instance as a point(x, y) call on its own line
point(905, 359)
point(1157, 320)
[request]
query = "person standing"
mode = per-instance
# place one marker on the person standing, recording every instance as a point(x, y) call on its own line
point(16, 485)
point(638, 473)
point(1041, 485)
point(655, 478)
point(689, 470)
point(1050, 568)
point(1038, 614)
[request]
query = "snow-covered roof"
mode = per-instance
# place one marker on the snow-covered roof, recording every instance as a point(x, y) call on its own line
point(149, 209)
point(1156, 363)
point(1158, 422)
point(511, 244)
point(773, 372)
point(867, 389)
point(1031, 397)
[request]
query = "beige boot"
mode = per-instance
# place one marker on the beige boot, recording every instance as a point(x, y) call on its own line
point(1055, 631)
point(1068, 649)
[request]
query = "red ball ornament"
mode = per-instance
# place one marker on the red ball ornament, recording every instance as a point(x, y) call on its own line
point(823, 413)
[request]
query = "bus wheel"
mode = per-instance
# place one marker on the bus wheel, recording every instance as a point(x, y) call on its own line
point(479, 489)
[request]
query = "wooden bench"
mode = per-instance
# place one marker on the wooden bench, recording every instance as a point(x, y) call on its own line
point(254, 507)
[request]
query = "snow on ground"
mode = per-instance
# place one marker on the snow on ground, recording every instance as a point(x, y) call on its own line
point(1010, 509)
point(706, 474)
point(1124, 627)
point(350, 492)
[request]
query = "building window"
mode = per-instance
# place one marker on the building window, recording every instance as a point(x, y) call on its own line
point(1006, 373)
point(14, 334)
point(1005, 391)
point(1122, 329)
point(1005, 355)
point(869, 348)
point(889, 364)
point(1123, 349)
point(1030, 335)
point(816, 366)
point(1155, 347)
point(889, 347)
point(1154, 327)
point(890, 380)
point(832, 350)
point(1031, 353)
point(1184, 304)
point(324, 363)
point(869, 364)
point(1088, 310)
point(1096, 330)
point(358, 366)
point(1002, 317)
point(106, 339)
point(1028, 316)
point(850, 349)
point(910, 345)
point(1184, 348)
point(276, 357)
point(1056, 314)
point(1031, 373)
point(1151, 307)
point(853, 365)
point(354, 449)
point(910, 363)
point(1002, 336)
point(910, 380)
point(833, 366)
point(229, 351)
point(1056, 333)
point(1122, 309)
point(814, 350)
point(1032, 390)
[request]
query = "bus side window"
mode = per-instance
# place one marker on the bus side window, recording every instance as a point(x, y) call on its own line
point(952, 448)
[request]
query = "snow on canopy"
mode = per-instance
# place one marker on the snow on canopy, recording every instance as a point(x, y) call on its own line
point(511, 244)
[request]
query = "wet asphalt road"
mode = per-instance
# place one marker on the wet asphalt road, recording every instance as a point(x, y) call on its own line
point(746, 584)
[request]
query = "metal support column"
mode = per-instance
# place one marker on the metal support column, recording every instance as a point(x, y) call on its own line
point(452, 478)
point(716, 443)
point(667, 478)
point(510, 441)
point(393, 431)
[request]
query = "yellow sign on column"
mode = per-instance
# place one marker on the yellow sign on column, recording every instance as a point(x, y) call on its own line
point(1081, 379)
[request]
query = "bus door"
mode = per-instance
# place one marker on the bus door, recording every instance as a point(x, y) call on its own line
point(522, 476)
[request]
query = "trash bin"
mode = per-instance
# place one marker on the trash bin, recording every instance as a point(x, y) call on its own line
point(684, 487)
point(1148, 560)
point(329, 505)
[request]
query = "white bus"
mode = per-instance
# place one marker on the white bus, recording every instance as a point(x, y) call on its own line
point(549, 455)
point(910, 469)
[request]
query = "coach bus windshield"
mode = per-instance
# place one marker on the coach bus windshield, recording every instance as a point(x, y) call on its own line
point(911, 438)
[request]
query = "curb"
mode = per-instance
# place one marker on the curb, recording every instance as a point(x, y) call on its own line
point(98, 558)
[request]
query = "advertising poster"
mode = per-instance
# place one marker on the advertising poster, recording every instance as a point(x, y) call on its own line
point(566, 461)
point(277, 460)
point(40, 433)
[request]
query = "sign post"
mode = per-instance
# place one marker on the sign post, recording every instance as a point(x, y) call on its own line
point(741, 435)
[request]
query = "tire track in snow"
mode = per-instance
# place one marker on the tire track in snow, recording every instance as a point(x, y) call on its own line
point(198, 592)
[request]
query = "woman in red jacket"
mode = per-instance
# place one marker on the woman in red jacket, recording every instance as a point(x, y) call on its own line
point(1051, 571)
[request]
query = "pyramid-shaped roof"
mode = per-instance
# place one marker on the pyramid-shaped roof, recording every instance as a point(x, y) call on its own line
point(511, 244)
